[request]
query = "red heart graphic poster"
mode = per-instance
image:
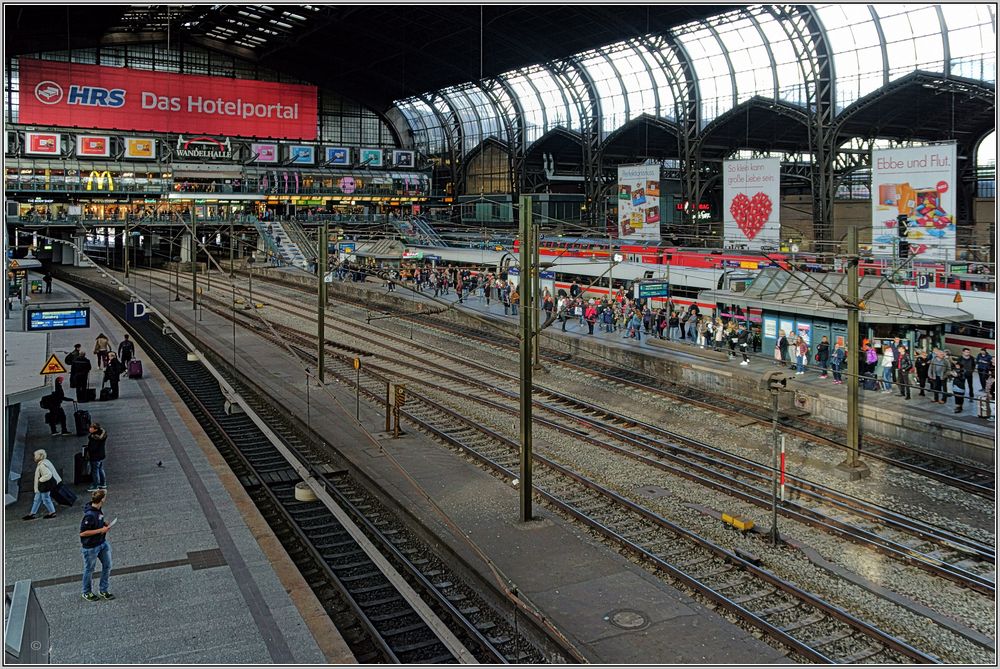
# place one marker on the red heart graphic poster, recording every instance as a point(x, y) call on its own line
point(751, 196)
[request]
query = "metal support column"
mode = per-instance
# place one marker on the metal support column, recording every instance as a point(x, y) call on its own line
point(527, 310)
point(194, 261)
point(852, 466)
point(125, 247)
point(536, 299)
point(321, 309)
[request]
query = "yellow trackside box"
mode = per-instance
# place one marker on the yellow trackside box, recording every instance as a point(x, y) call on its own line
point(742, 524)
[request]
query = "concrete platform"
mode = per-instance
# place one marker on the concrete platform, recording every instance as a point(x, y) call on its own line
point(577, 583)
point(918, 422)
point(198, 575)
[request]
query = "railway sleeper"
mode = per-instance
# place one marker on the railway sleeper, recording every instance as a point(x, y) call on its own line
point(753, 596)
point(780, 608)
point(419, 645)
point(862, 655)
point(831, 638)
point(810, 619)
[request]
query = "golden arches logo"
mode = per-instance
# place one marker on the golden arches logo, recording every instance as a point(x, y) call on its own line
point(100, 176)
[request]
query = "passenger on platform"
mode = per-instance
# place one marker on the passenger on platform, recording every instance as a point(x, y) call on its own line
point(590, 315)
point(871, 360)
point(922, 363)
point(801, 356)
point(903, 366)
point(887, 363)
point(936, 371)
point(563, 311)
point(56, 416)
point(823, 355)
point(515, 300)
point(837, 362)
point(662, 318)
point(96, 452)
point(984, 363)
point(505, 297)
point(95, 546)
point(47, 479)
point(113, 373)
point(968, 365)
point(635, 325)
point(781, 349)
point(741, 340)
point(732, 335)
point(126, 351)
point(685, 319)
point(896, 343)
point(958, 384)
point(488, 291)
point(647, 319)
point(102, 346)
point(989, 395)
point(79, 375)
point(675, 326)
point(70, 357)
point(608, 318)
point(574, 290)
point(47, 278)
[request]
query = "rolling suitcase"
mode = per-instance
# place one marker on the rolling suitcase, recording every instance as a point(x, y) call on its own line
point(64, 495)
point(81, 469)
point(135, 369)
point(81, 419)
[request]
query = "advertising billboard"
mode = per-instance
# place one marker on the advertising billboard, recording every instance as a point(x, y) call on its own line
point(42, 143)
point(338, 155)
point(264, 152)
point(918, 184)
point(300, 154)
point(639, 202)
point(140, 147)
point(750, 200)
point(370, 157)
point(403, 159)
point(93, 146)
point(94, 96)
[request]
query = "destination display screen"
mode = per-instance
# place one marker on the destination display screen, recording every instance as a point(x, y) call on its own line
point(59, 319)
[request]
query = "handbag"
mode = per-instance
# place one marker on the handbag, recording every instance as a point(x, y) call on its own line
point(48, 485)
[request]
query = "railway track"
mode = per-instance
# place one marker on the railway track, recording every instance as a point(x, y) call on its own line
point(811, 627)
point(380, 622)
point(956, 473)
point(936, 550)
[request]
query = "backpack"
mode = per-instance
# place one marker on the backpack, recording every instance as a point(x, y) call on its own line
point(47, 402)
point(871, 356)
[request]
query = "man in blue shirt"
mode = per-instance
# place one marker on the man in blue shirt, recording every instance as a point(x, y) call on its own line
point(95, 546)
point(984, 362)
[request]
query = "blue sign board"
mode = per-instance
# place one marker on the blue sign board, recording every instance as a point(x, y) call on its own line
point(346, 247)
point(136, 311)
point(59, 319)
point(513, 271)
point(652, 289)
point(547, 275)
point(923, 281)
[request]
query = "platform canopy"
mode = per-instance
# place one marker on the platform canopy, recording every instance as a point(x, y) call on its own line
point(822, 295)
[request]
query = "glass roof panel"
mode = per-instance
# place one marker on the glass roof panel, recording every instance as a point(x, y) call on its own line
point(711, 69)
point(609, 89)
point(853, 36)
point(750, 58)
point(913, 38)
point(531, 106)
point(660, 77)
point(637, 81)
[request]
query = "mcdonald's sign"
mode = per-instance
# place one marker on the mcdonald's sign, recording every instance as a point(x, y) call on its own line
point(100, 176)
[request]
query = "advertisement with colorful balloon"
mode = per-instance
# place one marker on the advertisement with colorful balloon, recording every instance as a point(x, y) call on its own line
point(751, 198)
point(917, 183)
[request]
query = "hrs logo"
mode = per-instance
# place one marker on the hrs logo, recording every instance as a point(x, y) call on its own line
point(95, 96)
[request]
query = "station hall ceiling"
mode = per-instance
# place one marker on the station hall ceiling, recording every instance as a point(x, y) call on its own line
point(371, 53)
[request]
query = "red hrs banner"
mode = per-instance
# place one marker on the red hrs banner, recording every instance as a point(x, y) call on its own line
point(92, 96)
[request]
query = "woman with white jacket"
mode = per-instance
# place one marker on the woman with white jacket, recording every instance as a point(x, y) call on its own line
point(46, 480)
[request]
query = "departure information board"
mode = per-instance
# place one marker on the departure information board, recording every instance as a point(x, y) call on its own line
point(59, 319)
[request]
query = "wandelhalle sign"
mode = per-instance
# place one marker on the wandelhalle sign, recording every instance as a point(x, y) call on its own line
point(92, 96)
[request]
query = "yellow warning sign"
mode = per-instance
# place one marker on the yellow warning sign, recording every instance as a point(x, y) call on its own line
point(53, 366)
point(13, 264)
point(958, 298)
